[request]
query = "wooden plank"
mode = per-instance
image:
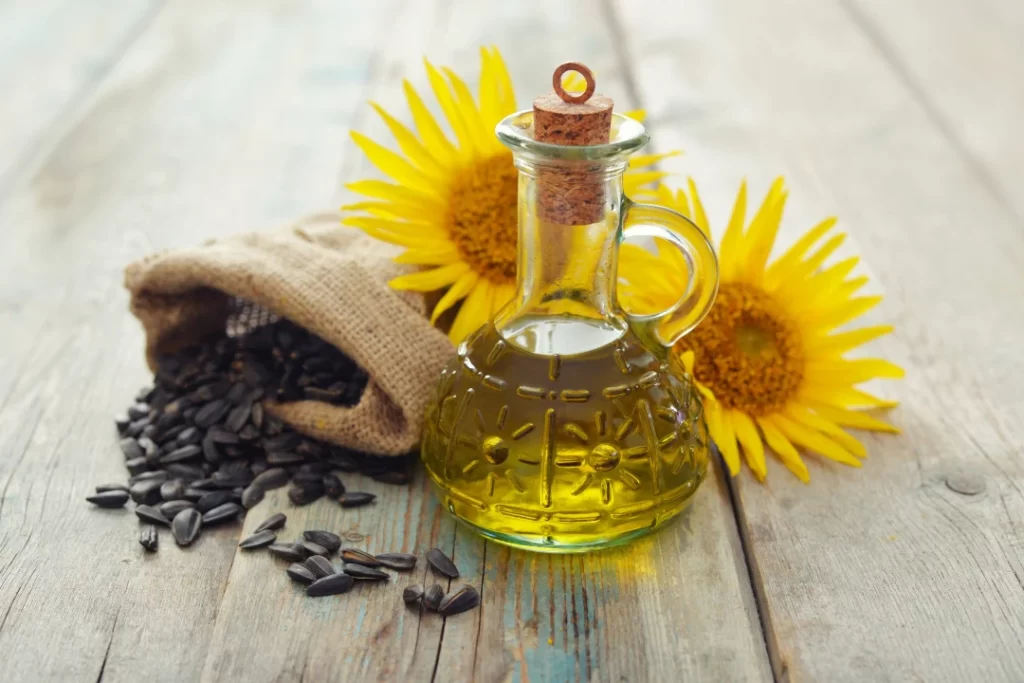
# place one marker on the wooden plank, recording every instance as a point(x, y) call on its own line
point(964, 61)
point(677, 606)
point(885, 573)
point(52, 55)
point(222, 117)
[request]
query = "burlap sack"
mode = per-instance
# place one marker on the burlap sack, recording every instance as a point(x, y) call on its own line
point(327, 278)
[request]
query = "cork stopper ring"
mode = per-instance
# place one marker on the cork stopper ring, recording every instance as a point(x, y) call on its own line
point(564, 118)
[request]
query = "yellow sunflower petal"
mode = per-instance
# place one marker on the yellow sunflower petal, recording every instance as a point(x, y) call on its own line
point(489, 88)
point(731, 239)
point(394, 165)
point(430, 132)
point(463, 286)
point(852, 371)
point(844, 396)
point(699, 217)
point(482, 135)
point(852, 418)
point(412, 147)
point(750, 440)
point(789, 456)
point(726, 439)
point(429, 280)
point(816, 441)
point(836, 344)
point(473, 313)
point(451, 110)
point(715, 415)
point(507, 93)
point(637, 115)
point(777, 270)
point(854, 308)
point(430, 256)
point(647, 160)
point(802, 415)
point(761, 238)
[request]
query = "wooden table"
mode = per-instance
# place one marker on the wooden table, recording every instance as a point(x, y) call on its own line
point(133, 125)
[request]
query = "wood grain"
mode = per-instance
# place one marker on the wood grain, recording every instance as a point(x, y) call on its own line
point(885, 573)
point(53, 53)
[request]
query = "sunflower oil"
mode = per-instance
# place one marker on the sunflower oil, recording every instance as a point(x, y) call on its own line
point(563, 435)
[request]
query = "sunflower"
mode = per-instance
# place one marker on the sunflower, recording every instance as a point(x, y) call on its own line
point(452, 202)
point(769, 359)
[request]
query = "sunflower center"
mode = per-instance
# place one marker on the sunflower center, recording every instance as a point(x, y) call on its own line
point(747, 351)
point(482, 219)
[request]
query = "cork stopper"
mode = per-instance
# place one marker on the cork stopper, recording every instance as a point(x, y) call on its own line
point(561, 118)
point(572, 195)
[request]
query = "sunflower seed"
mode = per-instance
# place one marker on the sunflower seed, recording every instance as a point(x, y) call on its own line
point(397, 561)
point(273, 478)
point(284, 442)
point(211, 413)
point(300, 573)
point(355, 499)
point(122, 422)
point(462, 600)
point(131, 449)
point(358, 571)
point(173, 507)
point(222, 437)
point(303, 496)
point(333, 486)
point(258, 540)
point(214, 499)
point(442, 564)
point(249, 433)
point(148, 446)
point(150, 514)
point(159, 476)
point(393, 477)
point(211, 453)
point(237, 391)
point(186, 526)
point(189, 436)
point(412, 594)
point(284, 458)
point(354, 556)
point(287, 551)
point(180, 454)
point(136, 466)
point(311, 548)
point(149, 538)
point(103, 488)
point(109, 499)
point(146, 492)
point(324, 538)
point(185, 472)
point(228, 512)
point(320, 566)
point(330, 585)
point(308, 480)
point(257, 415)
point(433, 596)
point(273, 523)
point(238, 416)
point(172, 489)
point(193, 494)
point(251, 496)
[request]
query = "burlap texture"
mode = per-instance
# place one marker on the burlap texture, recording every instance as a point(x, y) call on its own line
point(327, 278)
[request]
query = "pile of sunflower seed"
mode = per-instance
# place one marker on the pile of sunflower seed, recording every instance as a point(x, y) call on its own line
point(200, 448)
point(310, 564)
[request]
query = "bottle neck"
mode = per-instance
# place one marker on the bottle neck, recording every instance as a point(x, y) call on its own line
point(569, 233)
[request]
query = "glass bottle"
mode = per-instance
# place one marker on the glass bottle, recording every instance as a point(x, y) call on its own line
point(562, 425)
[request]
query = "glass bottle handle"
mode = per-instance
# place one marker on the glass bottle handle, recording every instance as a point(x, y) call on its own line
point(650, 220)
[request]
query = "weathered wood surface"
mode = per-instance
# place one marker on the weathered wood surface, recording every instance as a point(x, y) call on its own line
point(222, 117)
point(884, 573)
point(156, 125)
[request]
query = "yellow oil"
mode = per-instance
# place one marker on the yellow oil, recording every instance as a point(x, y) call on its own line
point(563, 437)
